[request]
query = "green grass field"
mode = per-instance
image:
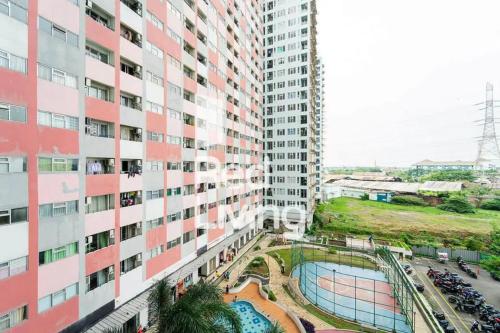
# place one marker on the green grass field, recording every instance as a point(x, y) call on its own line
point(319, 255)
point(410, 224)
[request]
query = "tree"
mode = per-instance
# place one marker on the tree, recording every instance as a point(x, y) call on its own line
point(450, 176)
point(200, 310)
point(160, 303)
point(275, 328)
point(457, 204)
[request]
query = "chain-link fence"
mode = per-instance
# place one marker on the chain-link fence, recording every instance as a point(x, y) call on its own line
point(348, 284)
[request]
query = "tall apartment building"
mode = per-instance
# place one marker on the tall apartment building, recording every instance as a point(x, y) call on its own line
point(320, 128)
point(122, 128)
point(289, 108)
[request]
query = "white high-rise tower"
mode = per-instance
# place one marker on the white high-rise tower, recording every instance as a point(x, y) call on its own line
point(289, 108)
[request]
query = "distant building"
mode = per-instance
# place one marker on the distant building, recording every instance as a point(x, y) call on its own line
point(383, 191)
point(428, 165)
point(368, 176)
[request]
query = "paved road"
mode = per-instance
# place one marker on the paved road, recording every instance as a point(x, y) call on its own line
point(484, 284)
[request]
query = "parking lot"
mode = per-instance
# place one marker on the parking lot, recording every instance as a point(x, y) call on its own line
point(484, 284)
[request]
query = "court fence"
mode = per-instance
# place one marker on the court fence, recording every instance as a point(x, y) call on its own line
point(352, 284)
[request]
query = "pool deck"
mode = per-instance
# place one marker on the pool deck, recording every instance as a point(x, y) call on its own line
point(268, 308)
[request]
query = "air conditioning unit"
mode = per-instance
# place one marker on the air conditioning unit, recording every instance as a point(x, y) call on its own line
point(138, 69)
point(88, 200)
point(88, 3)
point(88, 82)
point(137, 99)
point(138, 131)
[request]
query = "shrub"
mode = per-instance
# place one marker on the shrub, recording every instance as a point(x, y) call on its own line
point(492, 265)
point(492, 204)
point(332, 250)
point(473, 244)
point(257, 262)
point(408, 200)
point(308, 326)
point(257, 248)
point(457, 205)
point(271, 295)
point(365, 196)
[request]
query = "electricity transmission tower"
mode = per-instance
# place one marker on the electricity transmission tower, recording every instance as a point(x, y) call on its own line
point(488, 156)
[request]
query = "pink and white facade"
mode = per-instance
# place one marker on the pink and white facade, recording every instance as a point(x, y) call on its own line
point(128, 134)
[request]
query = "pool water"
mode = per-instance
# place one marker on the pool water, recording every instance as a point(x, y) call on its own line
point(251, 320)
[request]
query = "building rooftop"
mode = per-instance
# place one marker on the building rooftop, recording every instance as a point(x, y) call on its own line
point(434, 186)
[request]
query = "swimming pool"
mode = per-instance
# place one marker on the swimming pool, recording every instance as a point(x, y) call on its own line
point(251, 320)
point(358, 294)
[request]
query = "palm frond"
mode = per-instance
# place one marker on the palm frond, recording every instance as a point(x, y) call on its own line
point(275, 328)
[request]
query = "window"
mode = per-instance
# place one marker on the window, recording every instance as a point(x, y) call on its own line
point(154, 136)
point(174, 90)
point(156, 251)
point(13, 113)
point(156, 79)
point(98, 91)
point(13, 62)
point(151, 195)
point(174, 140)
point(173, 61)
point(97, 53)
point(99, 128)
point(13, 267)
point(99, 203)
point(13, 215)
point(174, 36)
point(130, 263)
point(153, 107)
point(12, 164)
point(174, 114)
point(57, 120)
point(154, 50)
point(97, 279)
point(173, 243)
point(154, 20)
point(187, 237)
point(57, 298)
point(130, 231)
point(57, 76)
point(154, 166)
point(13, 318)
point(174, 217)
point(57, 31)
point(58, 209)
point(13, 10)
point(154, 223)
point(174, 191)
point(173, 10)
point(173, 165)
point(52, 255)
point(56, 164)
point(99, 241)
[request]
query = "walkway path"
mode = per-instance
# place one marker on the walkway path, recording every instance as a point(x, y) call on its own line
point(276, 282)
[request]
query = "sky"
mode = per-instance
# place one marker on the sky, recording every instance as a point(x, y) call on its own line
point(402, 78)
